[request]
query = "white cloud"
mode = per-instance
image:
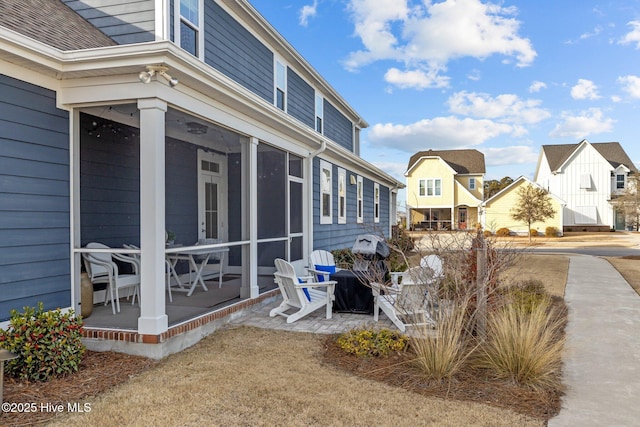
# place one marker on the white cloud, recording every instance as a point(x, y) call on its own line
point(428, 35)
point(537, 86)
point(586, 123)
point(308, 11)
point(507, 108)
point(585, 89)
point(514, 155)
point(416, 79)
point(631, 85)
point(439, 133)
point(597, 30)
point(633, 36)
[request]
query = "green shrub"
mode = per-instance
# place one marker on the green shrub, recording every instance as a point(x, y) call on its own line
point(48, 343)
point(503, 232)
point(524, 347)
point(367, 342)
point(527, 295)
point(551, 232)
point(533, 232)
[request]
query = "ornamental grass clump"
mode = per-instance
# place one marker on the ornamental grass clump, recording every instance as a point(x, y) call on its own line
point(367, 342)
point(524, 344)
point(443, 351)
point(48, 343)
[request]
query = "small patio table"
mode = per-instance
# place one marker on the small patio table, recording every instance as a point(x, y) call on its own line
point(190, 254)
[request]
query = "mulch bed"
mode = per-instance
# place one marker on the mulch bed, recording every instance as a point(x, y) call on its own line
point(469, 385)
point(99, 371)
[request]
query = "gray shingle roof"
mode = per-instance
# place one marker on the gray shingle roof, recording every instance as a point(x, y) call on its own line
point(611, 151)
point(51, 22)
point(462, 161)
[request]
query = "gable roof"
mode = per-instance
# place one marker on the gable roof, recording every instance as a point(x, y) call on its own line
point(613, 152)
point(514, 184)
point(53, 23)
point(462, 161)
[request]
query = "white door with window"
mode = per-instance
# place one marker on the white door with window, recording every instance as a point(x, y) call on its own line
point(212, 190)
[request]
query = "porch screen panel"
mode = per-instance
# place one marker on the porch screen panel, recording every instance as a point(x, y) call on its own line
point(295, 210)
point(296, 248)
point(272, 192)
point(269, 251)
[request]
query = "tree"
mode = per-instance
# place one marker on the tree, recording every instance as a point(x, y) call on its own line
point(492, 186)
point(534, 204)
point(628, 202)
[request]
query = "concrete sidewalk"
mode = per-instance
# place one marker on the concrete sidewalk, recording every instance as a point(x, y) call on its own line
point(602, 361)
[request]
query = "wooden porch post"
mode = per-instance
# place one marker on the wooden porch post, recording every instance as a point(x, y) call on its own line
point(153, 319)
point(250, 287)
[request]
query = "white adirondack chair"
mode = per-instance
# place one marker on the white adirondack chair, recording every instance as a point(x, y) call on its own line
point(320, 294)
point(101, 268)
point(410, 301)
point(321, 258)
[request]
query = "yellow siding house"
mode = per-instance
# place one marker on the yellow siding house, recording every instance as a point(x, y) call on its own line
point(496, 211)
point(445, 189)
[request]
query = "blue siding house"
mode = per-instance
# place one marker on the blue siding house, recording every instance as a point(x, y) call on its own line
point(120, 120)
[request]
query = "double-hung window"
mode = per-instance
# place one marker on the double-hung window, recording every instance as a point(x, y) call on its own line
point(188, 36)
point(360, 199)
point(281, 86)
point(619, 182)
point(422, 188)
point(376, 202)
point(472, 183)
point(319, 113)
point(342, 196)
point(434, 187)
point(326, 173)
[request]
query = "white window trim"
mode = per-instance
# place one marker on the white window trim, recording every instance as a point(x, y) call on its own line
point(177, 19)
point(376, 202)
point(422, 182)
point(360, 200)
point(472, 183)
point(624, 181)
point(279, 61)
point(326, 166)
point(342, 197)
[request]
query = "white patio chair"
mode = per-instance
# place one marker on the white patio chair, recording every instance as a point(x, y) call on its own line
point(294, 296)
point(322, 265)
point(167, 267)
point(102, 268)
point(411, 301)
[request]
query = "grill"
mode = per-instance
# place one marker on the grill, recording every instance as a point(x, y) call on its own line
point(370, 251)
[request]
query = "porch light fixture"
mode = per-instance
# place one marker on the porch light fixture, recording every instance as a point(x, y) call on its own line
point(352, 180)
point(196, 128)
point(161, 70)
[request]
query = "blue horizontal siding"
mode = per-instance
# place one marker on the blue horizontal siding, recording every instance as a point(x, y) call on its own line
point(340, 236)
point(34, 198)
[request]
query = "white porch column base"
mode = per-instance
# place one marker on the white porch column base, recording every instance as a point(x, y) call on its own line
point(153, 319)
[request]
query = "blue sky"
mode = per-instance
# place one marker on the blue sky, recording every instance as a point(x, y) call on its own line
point(501, 77)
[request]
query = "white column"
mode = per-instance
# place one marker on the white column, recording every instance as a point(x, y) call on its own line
point(250, 287)
point(153, 320)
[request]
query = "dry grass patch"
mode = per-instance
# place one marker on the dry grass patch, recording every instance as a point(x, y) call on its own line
point(551, 270)
point(249, 376)
point(629, 268)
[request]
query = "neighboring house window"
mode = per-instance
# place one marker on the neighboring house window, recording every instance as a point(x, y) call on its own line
point(189, 34)
point(325, 192)
point(585, 181)
point(342, 196)
point(360, 200)
point(376, 202)
point(472, 183)
point(422, 188)
point(434, 187)
point(281, 86)
point(620, 182)
point(319, 113)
